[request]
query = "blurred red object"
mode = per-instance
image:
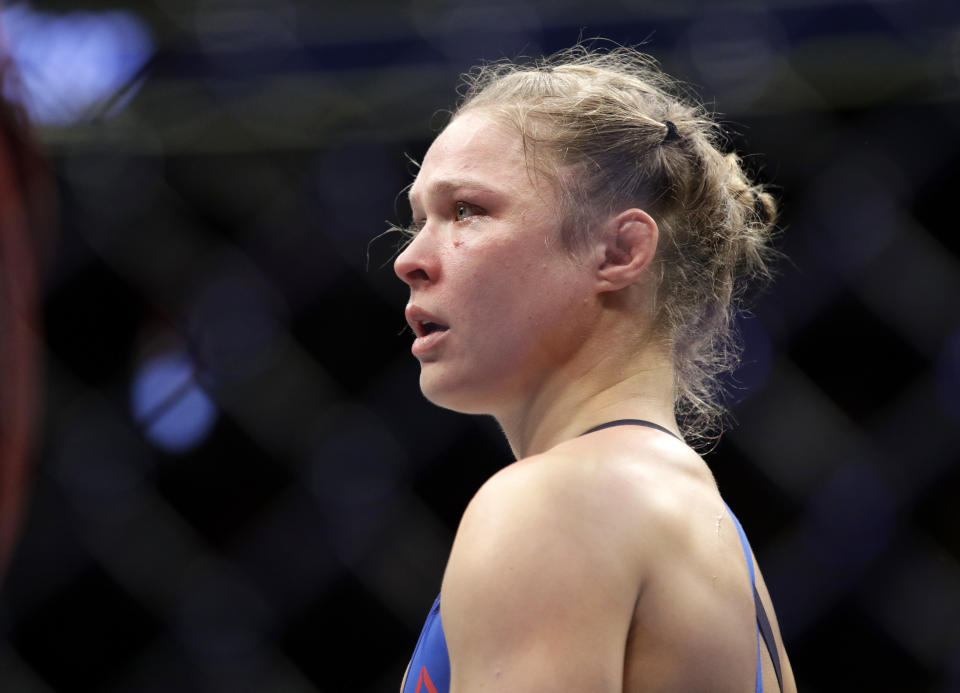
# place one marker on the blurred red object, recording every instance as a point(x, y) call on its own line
point(26, 223)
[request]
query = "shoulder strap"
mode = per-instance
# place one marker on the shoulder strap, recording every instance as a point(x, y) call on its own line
point(763, 622)
point(630, 422)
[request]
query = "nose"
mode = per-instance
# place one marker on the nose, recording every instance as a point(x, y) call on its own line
point(417, 265)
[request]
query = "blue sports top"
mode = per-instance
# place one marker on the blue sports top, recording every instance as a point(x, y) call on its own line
point(429, 670)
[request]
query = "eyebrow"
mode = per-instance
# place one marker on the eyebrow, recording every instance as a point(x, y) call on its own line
point(450, 185)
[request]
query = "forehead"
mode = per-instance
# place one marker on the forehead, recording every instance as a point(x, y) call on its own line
point(476, 149)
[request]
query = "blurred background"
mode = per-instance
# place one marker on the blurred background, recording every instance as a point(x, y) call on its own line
point(236, 484)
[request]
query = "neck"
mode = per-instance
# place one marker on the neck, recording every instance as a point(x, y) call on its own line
point(626, 383)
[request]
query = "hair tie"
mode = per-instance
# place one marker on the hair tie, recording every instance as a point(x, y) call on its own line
point(672, 133)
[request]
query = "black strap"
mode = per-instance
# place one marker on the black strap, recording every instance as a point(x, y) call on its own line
point(631, 422)
point(767, 634)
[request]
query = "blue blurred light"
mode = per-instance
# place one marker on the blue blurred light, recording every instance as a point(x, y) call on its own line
point(72, 63)
point(175, 413)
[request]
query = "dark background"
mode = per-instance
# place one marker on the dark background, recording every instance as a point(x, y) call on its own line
point(238, 486)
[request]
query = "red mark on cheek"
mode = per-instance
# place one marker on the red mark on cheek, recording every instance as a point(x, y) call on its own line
point(457, 244)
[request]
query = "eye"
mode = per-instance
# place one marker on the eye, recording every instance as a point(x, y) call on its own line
point(464, 210)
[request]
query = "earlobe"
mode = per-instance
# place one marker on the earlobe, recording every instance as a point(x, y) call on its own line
point(629, 246)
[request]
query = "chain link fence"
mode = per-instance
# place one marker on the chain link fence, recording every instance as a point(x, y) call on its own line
point(238, 486)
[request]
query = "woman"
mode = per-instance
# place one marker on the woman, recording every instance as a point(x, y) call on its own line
point(577, 248)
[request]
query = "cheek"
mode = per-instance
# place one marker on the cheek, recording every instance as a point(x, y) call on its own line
point(542, 298)
point(516, 285)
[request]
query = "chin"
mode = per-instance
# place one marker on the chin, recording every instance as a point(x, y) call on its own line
point(459, 397)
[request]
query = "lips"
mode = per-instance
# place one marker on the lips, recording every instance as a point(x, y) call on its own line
point(422, 322)
point(428, 328)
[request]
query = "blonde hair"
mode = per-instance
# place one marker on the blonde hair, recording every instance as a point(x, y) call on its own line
point(613, 131)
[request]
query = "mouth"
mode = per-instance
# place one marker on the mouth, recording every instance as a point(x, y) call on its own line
point(427, 327)
point(428, 331)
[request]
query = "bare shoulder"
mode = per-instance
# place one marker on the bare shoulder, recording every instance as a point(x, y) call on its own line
point(607, 499)
point(545, 504)
point(538, 593)
point(551, 556)
point(608, 560)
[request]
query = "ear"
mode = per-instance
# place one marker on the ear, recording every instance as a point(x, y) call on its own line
point(629, 244)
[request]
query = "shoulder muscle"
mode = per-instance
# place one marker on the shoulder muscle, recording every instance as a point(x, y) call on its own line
point(537, 589)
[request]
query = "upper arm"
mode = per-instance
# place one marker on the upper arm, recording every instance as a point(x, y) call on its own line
point(536, 595)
